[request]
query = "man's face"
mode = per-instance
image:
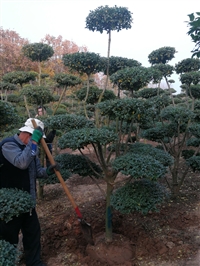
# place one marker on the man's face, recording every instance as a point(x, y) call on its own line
point(40, 112)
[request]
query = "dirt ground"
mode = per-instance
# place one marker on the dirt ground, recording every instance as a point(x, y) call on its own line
point(170, 237)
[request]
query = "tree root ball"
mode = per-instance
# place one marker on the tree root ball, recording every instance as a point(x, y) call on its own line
point(117, 252)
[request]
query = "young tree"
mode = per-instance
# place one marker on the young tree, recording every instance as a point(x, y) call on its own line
point(38, 52)
point(106, 18)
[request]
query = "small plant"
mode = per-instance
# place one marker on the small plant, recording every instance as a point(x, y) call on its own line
point(9, 255)
point(14, 202)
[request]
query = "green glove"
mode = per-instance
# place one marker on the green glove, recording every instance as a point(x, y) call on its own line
point(50, 169)
point(37, 134)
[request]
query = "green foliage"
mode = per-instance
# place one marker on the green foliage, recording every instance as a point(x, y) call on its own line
point(14, 202)
point(194, 163)
point(67, 80)
point(38, 95)
point(14, 98)
point(187, 65)
point(19, 77)
point(117, 63)
point(78, 164)
point(53, 179)
point(7, 86)
point(195, 91)
point(109, 19)
point(94, 94)
point(165, 69)
point(131, 78)
point(159, 132)
point(160, 102)
point(38, 51)
point(195, 142)
point(194, 32)
point(83, 62)
point(139, 166)
point(162, 55)
point(178, 115)
point(147, 149)
point(189, 78)
point(149, 92)
point(68, 122)
point(77, 139)
point(126, 109)
point(9, 255)
point(141, 196)
point(8, 116)
point(187, 154)
point(60, 111)
point(194, 129)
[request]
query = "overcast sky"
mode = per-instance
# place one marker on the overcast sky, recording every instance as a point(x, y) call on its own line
point(156, 23)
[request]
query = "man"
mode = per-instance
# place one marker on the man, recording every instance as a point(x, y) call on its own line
point(41, 111)
point(20, 168)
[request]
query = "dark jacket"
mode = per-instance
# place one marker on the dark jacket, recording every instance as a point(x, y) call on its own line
point(21, 167)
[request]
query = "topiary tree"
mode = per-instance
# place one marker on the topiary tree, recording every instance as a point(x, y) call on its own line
point(132, 78)
point(121, 157)
point(65, 81)
point(106, 18)
point(172, 132)
point(85, 63)
point(38, 52)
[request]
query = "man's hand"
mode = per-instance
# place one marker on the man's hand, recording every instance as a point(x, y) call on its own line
point(37, 134)
point(50, 169)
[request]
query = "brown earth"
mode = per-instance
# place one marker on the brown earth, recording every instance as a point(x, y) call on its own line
point(170, 237)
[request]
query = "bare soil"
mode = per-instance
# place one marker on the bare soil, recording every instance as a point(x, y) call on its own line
point(170, 237)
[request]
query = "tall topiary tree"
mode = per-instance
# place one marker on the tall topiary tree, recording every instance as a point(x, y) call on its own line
point(108, 19)
point(159, 58)
point(38, 52)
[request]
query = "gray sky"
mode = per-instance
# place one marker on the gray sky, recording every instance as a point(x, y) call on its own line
point(156, 23)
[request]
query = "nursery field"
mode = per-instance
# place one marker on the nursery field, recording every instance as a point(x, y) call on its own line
point(170, 237)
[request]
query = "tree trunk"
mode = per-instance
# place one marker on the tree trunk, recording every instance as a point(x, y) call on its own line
point(108, 214)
